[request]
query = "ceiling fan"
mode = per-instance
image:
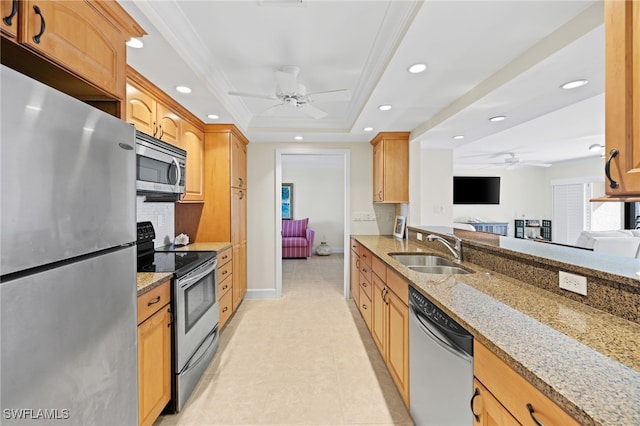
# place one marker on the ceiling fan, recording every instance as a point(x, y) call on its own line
point(512, 161)
point(292, 94)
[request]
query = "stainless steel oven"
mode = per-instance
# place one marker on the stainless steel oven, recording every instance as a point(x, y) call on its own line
point(196, 326)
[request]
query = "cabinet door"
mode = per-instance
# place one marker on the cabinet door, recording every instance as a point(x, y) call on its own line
point(168, 126)
point(397, 343)
point(378, 172)
point(622, 95)
point(9, 15)
point(396, 171)
point(154, 365)
point(378, 315)
point(141, 110)
point(78, 37)
point(488, 411)
point(192, 141)
point(238, 238)
point(238, 163)
point(354, 275)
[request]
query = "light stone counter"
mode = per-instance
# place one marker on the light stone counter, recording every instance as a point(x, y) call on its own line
point(146, 281)
point(586, 360)
point(213, 246)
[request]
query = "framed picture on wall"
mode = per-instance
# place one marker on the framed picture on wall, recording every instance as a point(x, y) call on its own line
point(287, 201)
point(398, 228)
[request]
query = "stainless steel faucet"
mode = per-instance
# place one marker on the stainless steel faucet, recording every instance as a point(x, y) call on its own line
point(456, 250)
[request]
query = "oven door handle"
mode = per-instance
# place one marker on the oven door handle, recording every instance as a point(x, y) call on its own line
point(203, 349)
point(196, 275)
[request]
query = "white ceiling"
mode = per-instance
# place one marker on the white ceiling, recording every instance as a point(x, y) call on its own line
point(484, 58)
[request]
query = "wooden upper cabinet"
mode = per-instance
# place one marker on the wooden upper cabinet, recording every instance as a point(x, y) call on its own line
point(391, 167)
point(76, 35)
point(192, 141)
point(238, 162)
point(9, 21)
point(622, 96)
point(168, 125)
point(141, 110)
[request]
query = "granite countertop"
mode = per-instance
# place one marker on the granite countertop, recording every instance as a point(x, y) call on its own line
point(146, 281)
point(586, 360)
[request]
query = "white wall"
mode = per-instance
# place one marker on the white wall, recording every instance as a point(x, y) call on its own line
point(318, 194)
point(262, 199)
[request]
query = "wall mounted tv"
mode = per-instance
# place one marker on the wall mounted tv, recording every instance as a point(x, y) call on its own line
point(476, 190)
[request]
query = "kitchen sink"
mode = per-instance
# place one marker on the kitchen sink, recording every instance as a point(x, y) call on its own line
point(421, 259)
point(440, 269)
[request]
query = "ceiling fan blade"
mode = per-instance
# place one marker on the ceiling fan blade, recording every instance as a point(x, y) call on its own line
point(254, 95)
point(287, 82)
point(313, 112)
point(341, 95)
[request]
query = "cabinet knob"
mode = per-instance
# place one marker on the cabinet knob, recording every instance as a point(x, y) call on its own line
point(364, 306)
point(225, 309)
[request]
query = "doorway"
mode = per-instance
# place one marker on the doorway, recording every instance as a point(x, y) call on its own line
point(308, 155)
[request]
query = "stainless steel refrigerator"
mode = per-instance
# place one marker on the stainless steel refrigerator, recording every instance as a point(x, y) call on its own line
point(68, 329)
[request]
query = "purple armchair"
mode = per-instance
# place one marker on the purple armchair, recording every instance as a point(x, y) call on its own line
point(297, 239)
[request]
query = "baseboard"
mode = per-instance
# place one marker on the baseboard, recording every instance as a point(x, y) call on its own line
point(261, 294)
point(337, 249)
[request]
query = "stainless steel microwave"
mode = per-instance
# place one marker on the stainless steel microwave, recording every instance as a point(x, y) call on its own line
point(160, 168)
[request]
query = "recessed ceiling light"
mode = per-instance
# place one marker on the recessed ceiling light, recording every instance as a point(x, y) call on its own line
point(384, 107)
point(573, 84)
point(136, 43)
point(213, 116)
point(183, 89)
point(596, 147)
point(368, 129)
point(458, 137)
point(298, 138)
point(497, 118)
point(417, 68)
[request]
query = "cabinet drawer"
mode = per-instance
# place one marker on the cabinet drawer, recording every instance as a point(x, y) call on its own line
point(224, 271)
point(225, 307)
point(364, 305)
point(514, 392)
point(151, 302)
point(365, 271)
point(224, 256)
point(365, 256)
point(379, 268)
point(224, 286)
point(399, 286)
point(365, 285)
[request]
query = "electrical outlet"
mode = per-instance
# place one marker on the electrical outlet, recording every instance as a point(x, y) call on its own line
point(573, 282)
point(419, 236)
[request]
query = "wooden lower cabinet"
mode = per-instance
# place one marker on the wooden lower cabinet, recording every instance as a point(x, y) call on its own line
point(487, 410)
point(383, 306)
point(225, 285)
point(517, 397)
point(154, 353)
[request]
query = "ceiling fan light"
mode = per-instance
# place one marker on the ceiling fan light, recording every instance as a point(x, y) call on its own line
point(596, 147)
point(385, 107)
point(497, 118)
point(573, 84)
point(417, 68)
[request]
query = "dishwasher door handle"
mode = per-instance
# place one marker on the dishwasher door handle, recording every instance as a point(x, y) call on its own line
point(443, 342)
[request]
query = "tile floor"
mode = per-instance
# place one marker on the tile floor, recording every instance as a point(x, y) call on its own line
point(306, 359)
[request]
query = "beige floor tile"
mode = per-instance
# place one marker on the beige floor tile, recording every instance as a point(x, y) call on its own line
point(306, 358)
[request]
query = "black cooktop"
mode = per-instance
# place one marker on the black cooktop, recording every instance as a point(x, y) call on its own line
point(178, 262)
point(166, 259)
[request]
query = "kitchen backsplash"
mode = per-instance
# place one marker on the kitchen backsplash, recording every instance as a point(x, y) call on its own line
point(161, 215)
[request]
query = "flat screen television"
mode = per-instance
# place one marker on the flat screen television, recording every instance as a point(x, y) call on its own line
point(476, 190)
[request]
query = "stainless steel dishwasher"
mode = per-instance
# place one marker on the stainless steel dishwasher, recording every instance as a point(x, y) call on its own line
point(440, 364)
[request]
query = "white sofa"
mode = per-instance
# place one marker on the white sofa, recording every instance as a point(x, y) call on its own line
point(624, 242)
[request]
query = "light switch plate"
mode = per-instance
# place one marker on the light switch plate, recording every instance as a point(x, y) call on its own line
point(419, 236)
